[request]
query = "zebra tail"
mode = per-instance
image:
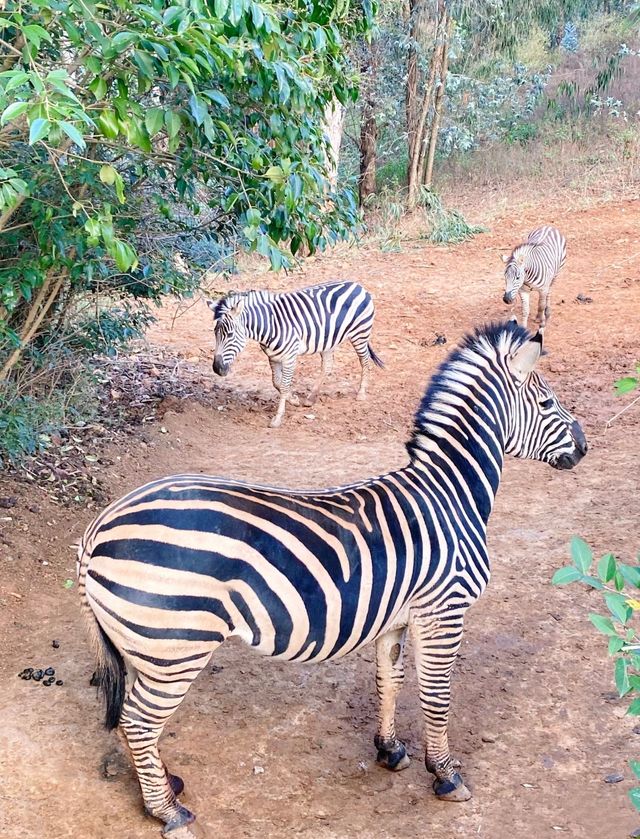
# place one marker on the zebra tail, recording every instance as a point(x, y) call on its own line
point(375, 358)
point(110, 673)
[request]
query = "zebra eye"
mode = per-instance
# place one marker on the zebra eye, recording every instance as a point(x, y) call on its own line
point(546, 404)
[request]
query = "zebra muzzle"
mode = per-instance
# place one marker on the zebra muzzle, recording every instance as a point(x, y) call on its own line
point(220, 368)
point(509, 297)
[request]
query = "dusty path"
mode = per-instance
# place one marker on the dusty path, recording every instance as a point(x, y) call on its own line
point(534, 720)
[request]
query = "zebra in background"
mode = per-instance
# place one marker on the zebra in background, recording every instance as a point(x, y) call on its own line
point(171, 570)
point(289, 324)
point(534, 265)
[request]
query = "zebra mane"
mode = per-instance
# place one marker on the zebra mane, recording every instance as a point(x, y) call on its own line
point(493, 340)
point(230, 300)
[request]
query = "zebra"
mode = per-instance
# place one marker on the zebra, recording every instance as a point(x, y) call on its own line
point(292, 323)
point(534, 265)
point(176, 567)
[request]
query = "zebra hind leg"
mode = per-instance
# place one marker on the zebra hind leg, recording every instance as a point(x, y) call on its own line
point(392, 753)
point(325, 370)
point(151, 701)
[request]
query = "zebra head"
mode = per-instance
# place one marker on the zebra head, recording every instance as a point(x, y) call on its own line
point(540, 427)
point(513, 275)
point(229, 330)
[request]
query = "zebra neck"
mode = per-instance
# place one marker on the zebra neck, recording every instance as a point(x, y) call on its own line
point(259, 321)
point(464, 451)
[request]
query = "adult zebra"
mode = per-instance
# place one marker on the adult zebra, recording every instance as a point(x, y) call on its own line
point(170, 571)
point(293, 323)
point(534, 265)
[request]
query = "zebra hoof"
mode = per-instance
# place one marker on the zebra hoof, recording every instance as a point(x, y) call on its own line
point(276, 422)
point(176, 828)
point(394, 758)
point(176, 783)
point(453, 790)
point(294, 400)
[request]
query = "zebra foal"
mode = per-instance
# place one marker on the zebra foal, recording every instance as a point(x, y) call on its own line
point(171, 570)
point(534, 265)
point(289, 324)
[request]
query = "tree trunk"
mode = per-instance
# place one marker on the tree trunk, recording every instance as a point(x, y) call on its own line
point(417, 21)
point(368, 127)
point(416, 154)
point(427, 179)
point(333, 125)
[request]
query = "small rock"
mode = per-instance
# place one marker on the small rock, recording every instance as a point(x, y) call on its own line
point(216, 668)
point(614, 778)
point(488, 738)
point(310, 416)
point(440, 339)
point(635, 833)
point(258, 770)
point(636, 729)
point(8, 501)
point(582, 298)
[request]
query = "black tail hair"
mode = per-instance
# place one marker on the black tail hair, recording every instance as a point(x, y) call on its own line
point(110, 675)
point(375, 358)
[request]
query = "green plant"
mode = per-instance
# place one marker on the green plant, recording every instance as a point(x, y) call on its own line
point(619, 585)
point(445, 226)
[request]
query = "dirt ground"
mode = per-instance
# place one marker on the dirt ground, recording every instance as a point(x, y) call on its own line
point(275, 750)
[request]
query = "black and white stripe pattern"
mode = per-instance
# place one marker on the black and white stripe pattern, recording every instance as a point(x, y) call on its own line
point(289, 324)
point(170, 571)
point(534, 265)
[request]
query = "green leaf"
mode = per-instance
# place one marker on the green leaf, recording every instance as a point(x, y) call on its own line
point(634, 795)
point(123, 254)
point(616, 604)
point(108, 124)
point(217, 96)
point(594, 582)
point(38, 129)
point(123, 40)
point(253, 217)
point(581, 554)
point(73, 134)
point(14, 110)
point(275, 174)
point(607, 568)
point(198, 109)
point(108, 174)
point(220, 7)
point(68, 584)
point(35, 34)
point(154, 120)
point(563, 576)
point(621, 676)
point(635, 767)
point(625, 385)
point(603, 624)
point(615, 645)
point(98, 87)
point(173, 123)
point(19, 77)
point(631, 574)
point(634, 708)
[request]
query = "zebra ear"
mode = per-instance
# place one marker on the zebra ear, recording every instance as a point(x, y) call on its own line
point(211, 303)
point(504, 257)
point(525, 358)
point(513, 319)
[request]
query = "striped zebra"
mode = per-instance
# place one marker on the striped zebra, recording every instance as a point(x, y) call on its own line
point(534, 265)
point(293, 323)
point(171, 570)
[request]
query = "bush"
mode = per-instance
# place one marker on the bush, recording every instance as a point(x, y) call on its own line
point(446, 226)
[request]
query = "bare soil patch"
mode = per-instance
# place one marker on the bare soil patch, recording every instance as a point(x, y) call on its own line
point(534, 719)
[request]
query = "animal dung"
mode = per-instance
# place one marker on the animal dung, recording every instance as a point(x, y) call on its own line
point(47, 677)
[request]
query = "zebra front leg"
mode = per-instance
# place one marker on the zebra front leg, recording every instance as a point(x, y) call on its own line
point(150, 703)
point(392, 753)
point(288, 367)
point(325, 370)
point(436, 642)
point(524, 296)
